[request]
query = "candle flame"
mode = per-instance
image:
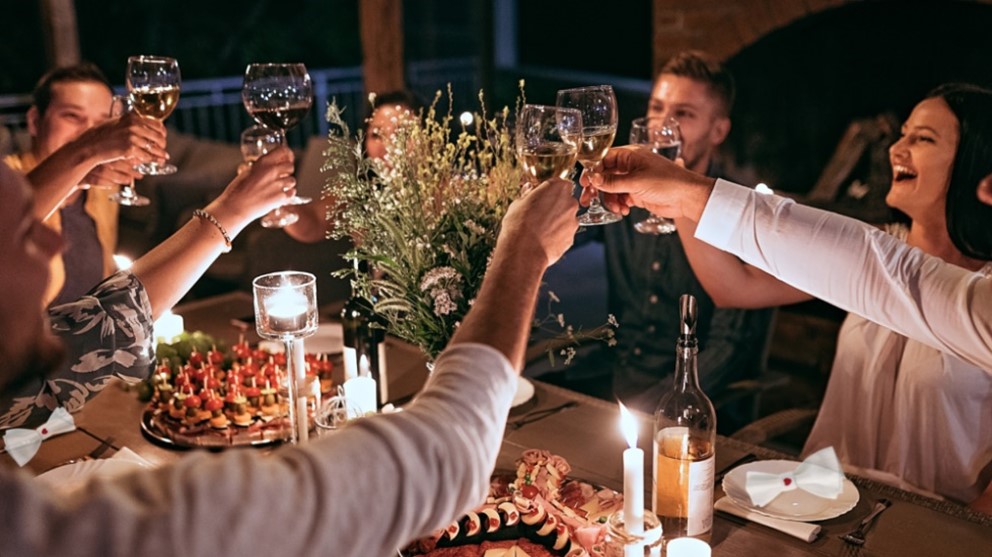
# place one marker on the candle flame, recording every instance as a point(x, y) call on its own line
point(628, 426)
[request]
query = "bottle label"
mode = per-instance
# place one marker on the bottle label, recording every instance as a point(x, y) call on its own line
point(701, 475)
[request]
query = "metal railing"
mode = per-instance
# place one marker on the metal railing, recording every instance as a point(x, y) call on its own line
point(212, 108)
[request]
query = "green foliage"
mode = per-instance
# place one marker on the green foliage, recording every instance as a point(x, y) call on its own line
point(425, 218)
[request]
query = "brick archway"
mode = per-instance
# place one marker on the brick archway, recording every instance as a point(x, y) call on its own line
point(724, 27)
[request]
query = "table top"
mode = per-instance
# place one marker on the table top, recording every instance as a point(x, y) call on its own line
point(581, 429)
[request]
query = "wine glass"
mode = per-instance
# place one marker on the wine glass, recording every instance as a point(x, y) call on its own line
point(665, 139)
point(278, 96)
point(153, 84)
point(547, 141)
point(255, 142)
point(119, 106)
point(598, 106)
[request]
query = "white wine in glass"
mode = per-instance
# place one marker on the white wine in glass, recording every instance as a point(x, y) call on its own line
point(127, 196)
point(665, 139)
point(153, 84)
point(278, 96)
point(547, 141)
point(598, 106)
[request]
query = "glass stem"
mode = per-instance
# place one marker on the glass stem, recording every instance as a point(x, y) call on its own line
point(296, 376)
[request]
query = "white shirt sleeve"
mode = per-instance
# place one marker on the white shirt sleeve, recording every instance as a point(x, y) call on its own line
point(856, 267)
point(364, 491)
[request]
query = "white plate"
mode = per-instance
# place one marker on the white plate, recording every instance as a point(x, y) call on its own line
point(525, 392)
point(798, 505)
point(329, 339)
point(71, 477)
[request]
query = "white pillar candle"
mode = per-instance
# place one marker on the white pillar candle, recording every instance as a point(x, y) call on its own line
point(633, 481)
point(360, 394)
point(168, 326)
point(687, 547)
point(300, 374)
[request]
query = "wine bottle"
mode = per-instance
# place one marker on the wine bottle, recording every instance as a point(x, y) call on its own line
point(364, 335)
point(684, 443)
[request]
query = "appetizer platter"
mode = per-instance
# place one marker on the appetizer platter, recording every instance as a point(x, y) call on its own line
point(216, 398)
point(536, 510)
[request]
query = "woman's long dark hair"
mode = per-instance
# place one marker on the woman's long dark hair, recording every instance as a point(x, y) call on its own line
point(969, 221)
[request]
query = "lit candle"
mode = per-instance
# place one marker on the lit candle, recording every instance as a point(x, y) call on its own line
point(168, 326)
point(633, 478)
point(687, 547)
point(287, 310)
point(360, 392)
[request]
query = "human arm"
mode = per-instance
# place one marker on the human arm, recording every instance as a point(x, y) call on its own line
point(634, 175)
point(170, 269)
point(856, 267)
point(104, 154)
point(312, 225)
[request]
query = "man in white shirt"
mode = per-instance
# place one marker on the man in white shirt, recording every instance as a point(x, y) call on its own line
point(363, 492)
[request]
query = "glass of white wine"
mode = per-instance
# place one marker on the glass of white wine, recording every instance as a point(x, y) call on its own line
point(547, 141)
point(665, 139)
point(153, 85)
point(255, 142)
point(598, 106)
point(127, 196)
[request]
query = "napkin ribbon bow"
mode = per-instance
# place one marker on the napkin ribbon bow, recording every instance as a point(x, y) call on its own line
point(820, 474)
point(22, 444)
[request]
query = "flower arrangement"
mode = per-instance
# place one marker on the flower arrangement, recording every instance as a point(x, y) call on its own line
point(425, 217)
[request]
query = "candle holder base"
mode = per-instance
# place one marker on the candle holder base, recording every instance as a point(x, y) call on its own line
point(621, 543)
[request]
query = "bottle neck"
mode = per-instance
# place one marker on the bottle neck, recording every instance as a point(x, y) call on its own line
point(686, 374)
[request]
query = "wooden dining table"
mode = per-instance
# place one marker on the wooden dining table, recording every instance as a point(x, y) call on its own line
point(582, 429)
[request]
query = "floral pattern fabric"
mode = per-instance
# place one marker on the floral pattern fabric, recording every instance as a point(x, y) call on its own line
point(107, 334)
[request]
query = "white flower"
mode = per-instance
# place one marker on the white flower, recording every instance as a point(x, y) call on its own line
point(443, 284)
point(474, 227)
point(561, 320)
point(553, 296)
point(612, 320)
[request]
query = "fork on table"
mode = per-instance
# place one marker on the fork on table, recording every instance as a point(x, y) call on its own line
point(857, 536)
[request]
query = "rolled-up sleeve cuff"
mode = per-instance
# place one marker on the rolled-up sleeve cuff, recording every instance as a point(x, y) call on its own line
point(721, 216)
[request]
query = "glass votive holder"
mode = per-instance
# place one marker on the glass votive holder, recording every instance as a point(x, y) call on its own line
point(621, 543)
point(687, 547)
point(285, 305)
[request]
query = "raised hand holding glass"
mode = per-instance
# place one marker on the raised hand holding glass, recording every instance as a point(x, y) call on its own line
point(255, 142)
point(665, 139)
point(119, 106)
point(153, 83)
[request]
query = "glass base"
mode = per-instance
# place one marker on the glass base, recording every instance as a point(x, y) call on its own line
point(154, 169)
point(129, 198)
point(597, 218)
point(655, 225)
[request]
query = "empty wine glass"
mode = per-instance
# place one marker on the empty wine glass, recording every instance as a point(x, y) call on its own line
point(153, 84)
point(255, 142)
point(598, 106)
point(278, 96)
point(119, 106)
point(665, 139)
point(547, 141)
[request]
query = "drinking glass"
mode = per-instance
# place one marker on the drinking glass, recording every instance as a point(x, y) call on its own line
point(255, 142)
point(278, 96)
point(598, 106)
point(153, 85)
point(119, 106)
point(665, 139)
point(547, 141)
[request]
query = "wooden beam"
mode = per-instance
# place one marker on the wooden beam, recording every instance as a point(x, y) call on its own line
point(58, 21)
point(381, 26)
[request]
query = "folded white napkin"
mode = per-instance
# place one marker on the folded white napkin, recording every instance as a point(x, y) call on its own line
point(128, 455)
point(802, 530)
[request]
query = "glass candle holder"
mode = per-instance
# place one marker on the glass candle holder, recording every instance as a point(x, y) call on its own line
point(621, 543)
point(286, 310)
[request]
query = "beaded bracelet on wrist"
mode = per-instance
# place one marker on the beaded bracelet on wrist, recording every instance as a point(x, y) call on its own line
point(200, 213)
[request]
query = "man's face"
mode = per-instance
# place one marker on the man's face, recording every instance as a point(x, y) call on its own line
point(701, 119)
point(75, 107)
point(381, 127)
point(26, 250)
